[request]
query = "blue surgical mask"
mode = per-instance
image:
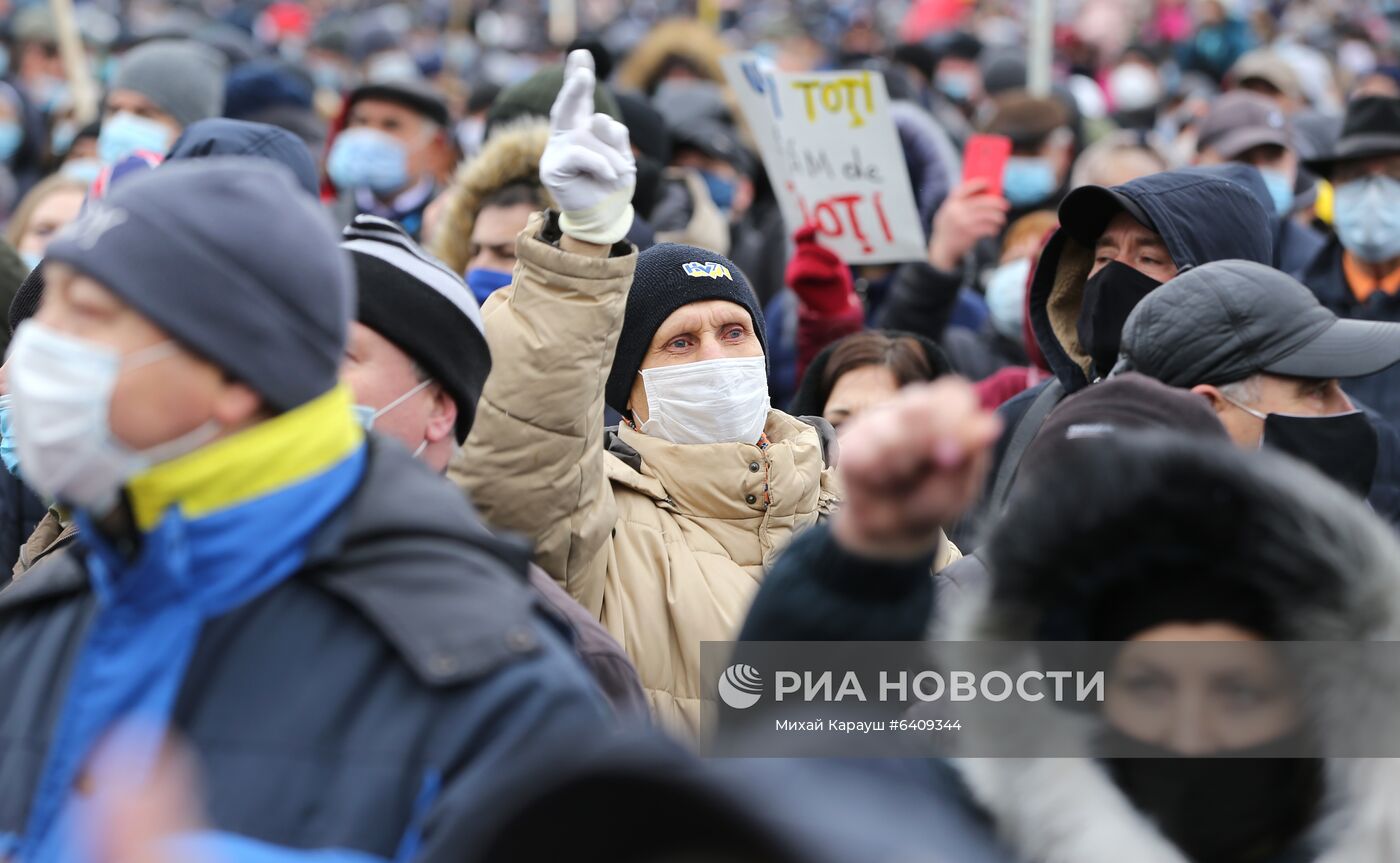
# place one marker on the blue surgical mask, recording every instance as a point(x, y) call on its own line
point(11, 136)
point(32, 260)
point(955, 85)
point(1027, 180)
point(1368, 218)
point(126, 133)
point(62, 138)
point(368, 159)
point(1006, 296)
point(483, 282)
point(8, 453)
point(83, 170)
point(721, 190)
point(1280, 189)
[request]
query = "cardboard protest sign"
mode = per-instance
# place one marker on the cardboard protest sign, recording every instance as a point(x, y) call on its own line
point(833, 155)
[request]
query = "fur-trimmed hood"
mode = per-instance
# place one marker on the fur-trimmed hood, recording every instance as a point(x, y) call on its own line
point(1160, 507)
point(511, 155)
point(685, 40)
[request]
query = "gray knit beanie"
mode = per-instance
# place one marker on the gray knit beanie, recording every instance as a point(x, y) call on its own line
point(185, 79)
point(233, 260)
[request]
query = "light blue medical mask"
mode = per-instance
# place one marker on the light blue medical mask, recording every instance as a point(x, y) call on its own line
point(366, 415)
point(368, 159)
point(1027, 180)
point(483, 282)
point(1368, 217)
point(11, 136)
point(1006, 296)
point(62, 138)
point(1280, 189)
point(721, 190)
point(83, 170)
point(127, 133)
point(955, 85)
point(32, 260)
point(8, 453)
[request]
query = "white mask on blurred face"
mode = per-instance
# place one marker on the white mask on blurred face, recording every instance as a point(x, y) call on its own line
point(1134, 87)
point(713, 401)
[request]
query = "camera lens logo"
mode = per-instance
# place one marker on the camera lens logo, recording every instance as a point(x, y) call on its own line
point(740, 686)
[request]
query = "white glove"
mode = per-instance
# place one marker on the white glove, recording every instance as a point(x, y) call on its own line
point(588, 165)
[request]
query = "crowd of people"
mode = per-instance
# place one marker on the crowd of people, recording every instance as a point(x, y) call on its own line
point(396, 398)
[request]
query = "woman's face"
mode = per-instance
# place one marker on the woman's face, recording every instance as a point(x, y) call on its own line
point(707, 330)
point(1228, 691)
point(54, 212)
point(859, 389)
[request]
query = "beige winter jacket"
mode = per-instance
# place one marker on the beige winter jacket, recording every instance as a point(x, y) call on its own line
point(666, 546)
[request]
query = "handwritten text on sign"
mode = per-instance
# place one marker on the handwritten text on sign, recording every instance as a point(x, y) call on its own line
point(833, 155)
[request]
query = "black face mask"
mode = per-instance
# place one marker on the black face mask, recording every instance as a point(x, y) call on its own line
point(1343, 446)
point(1221, 810)
point(1109, 296)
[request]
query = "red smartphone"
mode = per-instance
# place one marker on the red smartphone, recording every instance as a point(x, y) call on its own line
point(985, 159)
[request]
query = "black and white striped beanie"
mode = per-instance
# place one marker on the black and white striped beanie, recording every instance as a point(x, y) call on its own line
point(413, 300)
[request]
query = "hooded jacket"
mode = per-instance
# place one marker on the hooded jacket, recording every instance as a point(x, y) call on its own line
point(511, 155)
point(682, 41)
point(665, 543)
point(1201, 217)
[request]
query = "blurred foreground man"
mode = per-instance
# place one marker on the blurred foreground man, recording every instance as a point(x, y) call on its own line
point(349, 654)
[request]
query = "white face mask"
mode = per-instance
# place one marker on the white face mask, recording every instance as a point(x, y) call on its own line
point(367, 415)
point(62, 389)
point(714, 401)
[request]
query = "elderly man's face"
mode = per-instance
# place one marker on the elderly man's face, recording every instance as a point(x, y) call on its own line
point(378, 373)
point(707, 330)
point(155, 401)
point(1128, 241)
point(1274, 394)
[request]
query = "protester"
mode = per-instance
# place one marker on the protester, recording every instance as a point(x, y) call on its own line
point(862, 370)
point(221, 443)
point(664, 534)
point(394, 151)
point(48, 207)
point(1249, 128)
point(160, 88)
point(1268, 356)
point(488, 204)
point(415, 363)
point(1114, 246)
point(1357, 274)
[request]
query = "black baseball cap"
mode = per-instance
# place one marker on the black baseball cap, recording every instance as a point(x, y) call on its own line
point(1085, 212)
point(1225, 321)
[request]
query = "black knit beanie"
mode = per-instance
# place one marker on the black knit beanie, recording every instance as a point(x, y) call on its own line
point(670, 275)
